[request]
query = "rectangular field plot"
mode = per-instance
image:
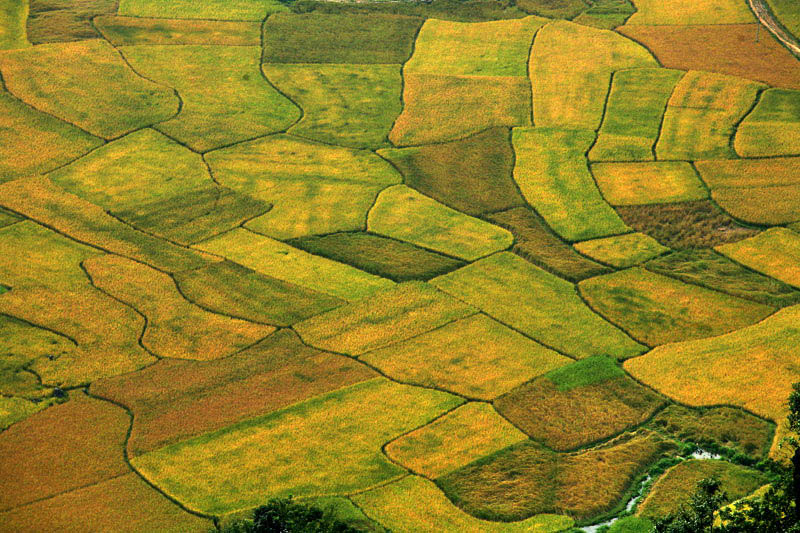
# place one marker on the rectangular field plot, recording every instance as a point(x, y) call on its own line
point(472, 431)
point(349, 105)
point(578, 404)
point(323, 38)
point(772, 128)
point(175, 400)
point(472, 175)
point(402, 213)
point(752, 367)
point(552, 172)
point(691, 12)
point(648, 183)
point(633, 114)
point(570, 68)
point(289, 264)
point(209, 9)
point(537, 303)
point(126, 31)
point(93, 88)
point(475, 357)
point(702, 115)
point(443, 108)
point(622, 251)
point(656, 309)
point(715, 271)
point(775, 252)
point(387, 317)
point(304, 450)
point(413, 502)
point(495, 48)
point(759, 191)
point(52, 21)
point(224, 97)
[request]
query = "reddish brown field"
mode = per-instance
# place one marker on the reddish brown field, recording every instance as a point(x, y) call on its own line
point(724, 48)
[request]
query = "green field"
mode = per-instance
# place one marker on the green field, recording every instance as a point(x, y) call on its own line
point(428, 266)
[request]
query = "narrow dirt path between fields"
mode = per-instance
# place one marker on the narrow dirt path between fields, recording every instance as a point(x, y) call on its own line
point(766, 18)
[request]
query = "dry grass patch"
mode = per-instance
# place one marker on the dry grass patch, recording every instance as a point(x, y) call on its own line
point(475, 357)
point(554, 177)
point(752, 367)
point(678, 484)
point(697, 224)
point(68, 446)
point(175, 327)
point(388, 258)
point(633, 115)
point(772, 128)
point(389, 316)
point(691, 12)
point(414, 502)
point(93, 87)
point(657, 310)
point(323, 446)
point(232, 289)
point(571, 67)
point(175, 400)
point(443, 108)
point(349, 105)
point(775, 252)
point(281, 261)
point(225, 98)
point(124, 504)
point(537, 303)
point(578, 404)
point(472, 175)
point(126, 31)
point(52, 21)
point(536, 242)
point(402, 213)
point(209, 9)
point(648, 183)
point(622, 251)
point(472, 431)
point(702, 115)
point(726, 48)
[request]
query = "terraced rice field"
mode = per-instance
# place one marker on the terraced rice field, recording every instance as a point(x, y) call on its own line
point(439, 266)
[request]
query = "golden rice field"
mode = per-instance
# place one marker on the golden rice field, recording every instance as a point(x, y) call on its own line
point(430, 266)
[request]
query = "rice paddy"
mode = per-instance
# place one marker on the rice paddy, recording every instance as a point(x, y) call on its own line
point(771, 128)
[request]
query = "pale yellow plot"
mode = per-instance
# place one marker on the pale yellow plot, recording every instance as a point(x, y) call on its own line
point(622, 251)
point(683, 12)
point(655, 182)
point(775, 252)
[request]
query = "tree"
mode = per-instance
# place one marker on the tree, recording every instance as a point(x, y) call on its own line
point(284, 515)
point(698, 515)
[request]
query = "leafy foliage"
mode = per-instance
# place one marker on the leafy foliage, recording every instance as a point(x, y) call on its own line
point(284, 515)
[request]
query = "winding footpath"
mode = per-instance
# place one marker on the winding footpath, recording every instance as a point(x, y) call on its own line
point(766, 18)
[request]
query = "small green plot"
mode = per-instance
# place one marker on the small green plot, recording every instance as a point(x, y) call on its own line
point(589, 371)
point(773, 127)
point(622, 251)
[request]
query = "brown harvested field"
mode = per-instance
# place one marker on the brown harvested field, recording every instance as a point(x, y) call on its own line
point(41, 200)
point(726, 49)
point(527, 479)
point(536, 242)
point(698, 224)
point(175, 327)
point(175, 400)
point(472, 175)
point(724, 426)
point(62, 448)
point(124, 31)
point(124, 504)
point(233, 289)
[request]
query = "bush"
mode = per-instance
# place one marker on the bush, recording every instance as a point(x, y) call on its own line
point(284, 515)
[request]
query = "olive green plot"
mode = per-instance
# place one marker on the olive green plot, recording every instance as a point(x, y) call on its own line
point(644, 183)
point(772, 128)
point(402, 213)
point(622, 251)
point(348, 105)
point(538, 304)
point(93, 87)
point(209, 9)
point(657, 310)
point(606, 14)
point(389, 316)
point(12, 410)
point(702, 115)
point(633, 115)
point(281, 261)
point(775, 252)
point(54, 21)
point(125, 31)
point(13, 14)
point(552, 172)
point(32, 142)
point(570, 69)
point(475, 357)
point(224, 97)
point(327, 445)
